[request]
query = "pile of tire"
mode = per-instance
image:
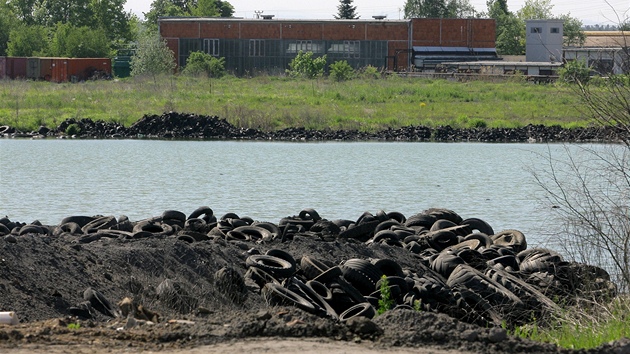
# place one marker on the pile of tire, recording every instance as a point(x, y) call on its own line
point(464, 268)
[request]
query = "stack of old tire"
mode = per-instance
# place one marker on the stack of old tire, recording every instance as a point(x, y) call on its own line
point(463, 267)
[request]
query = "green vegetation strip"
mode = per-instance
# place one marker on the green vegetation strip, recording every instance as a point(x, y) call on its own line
point(271, 103)
point(585, 326)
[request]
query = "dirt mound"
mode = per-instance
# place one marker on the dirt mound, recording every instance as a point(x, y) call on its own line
point(198, 279)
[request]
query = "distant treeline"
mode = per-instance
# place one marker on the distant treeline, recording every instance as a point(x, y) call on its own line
point(623, 27)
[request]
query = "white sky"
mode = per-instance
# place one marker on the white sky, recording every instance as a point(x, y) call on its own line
point(590, 12)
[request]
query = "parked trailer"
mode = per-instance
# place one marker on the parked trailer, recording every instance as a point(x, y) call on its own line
point(79, 69)
point(13, 67)
point(55, 69)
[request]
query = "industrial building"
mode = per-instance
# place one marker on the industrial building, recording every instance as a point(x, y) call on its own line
point(268, 45)
point(605, 52)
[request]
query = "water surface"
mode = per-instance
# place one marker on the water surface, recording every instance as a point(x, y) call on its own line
point(48, 180)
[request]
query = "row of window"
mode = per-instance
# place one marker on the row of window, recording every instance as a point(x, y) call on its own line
point(539, 30)
point(347, 49)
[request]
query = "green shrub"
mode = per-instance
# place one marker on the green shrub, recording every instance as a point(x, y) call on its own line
point(73, 129)
point(386, 302)
point(370, 72)
point(478, 123)
point(200, 63)
point(575, 71)
point(341, 71)
point(304, 65)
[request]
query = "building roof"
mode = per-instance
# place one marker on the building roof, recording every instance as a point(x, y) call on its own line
point(508, 63)
point(242, 19)
point(607, 39)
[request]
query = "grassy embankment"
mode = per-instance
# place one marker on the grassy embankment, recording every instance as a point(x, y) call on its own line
point(276, 102)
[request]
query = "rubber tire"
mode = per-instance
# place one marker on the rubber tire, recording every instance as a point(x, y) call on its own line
point(277, 295)
point(479, 225)
point(364, 309)
point(277, 267)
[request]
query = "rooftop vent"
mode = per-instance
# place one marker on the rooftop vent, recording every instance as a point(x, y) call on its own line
point(379, 17)
point(267, 17)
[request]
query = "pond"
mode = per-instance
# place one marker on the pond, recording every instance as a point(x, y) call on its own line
point(47, 180)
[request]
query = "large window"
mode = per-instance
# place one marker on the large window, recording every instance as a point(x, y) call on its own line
point(304, 46)
point(256, 47)
point(347, 49)
point(211, 46)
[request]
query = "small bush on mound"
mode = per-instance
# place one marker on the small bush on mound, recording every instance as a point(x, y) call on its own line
point(304, 65)
point(341, 71)
point(203, 64)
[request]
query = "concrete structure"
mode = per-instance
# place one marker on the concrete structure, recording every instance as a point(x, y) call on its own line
point(253, 45)
point(543, 40)
point(533, 70)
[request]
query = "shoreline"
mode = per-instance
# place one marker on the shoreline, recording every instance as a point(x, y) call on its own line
point(183, 126)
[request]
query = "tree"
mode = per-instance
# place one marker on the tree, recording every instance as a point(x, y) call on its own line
point(110, 17)
point(27, 41)
point(79, 13)
point(225, 8)
point(439, 9)
point(161, 8)
point(497, 9)
point(535, 10)
point(460, 9)
point(510, 29)
point(573, 33)
point(425, 9)
point(186, 8)
point(153, 57)
point(24, 10)
point(8, 20)
point(346, 10)
point(511, 36)
point(79, 42)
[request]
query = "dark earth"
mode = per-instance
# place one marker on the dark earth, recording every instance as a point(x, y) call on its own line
point(192, 281)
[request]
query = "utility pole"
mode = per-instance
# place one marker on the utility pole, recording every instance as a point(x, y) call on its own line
point(258, 13)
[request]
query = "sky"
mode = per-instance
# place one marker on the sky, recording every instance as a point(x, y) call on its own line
point(590, 12)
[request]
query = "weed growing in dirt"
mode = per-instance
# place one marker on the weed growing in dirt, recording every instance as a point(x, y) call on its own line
point(386, 302)
point(74, 325)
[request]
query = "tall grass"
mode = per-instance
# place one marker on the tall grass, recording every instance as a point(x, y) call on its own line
point(586, 326)
point(269, 102)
